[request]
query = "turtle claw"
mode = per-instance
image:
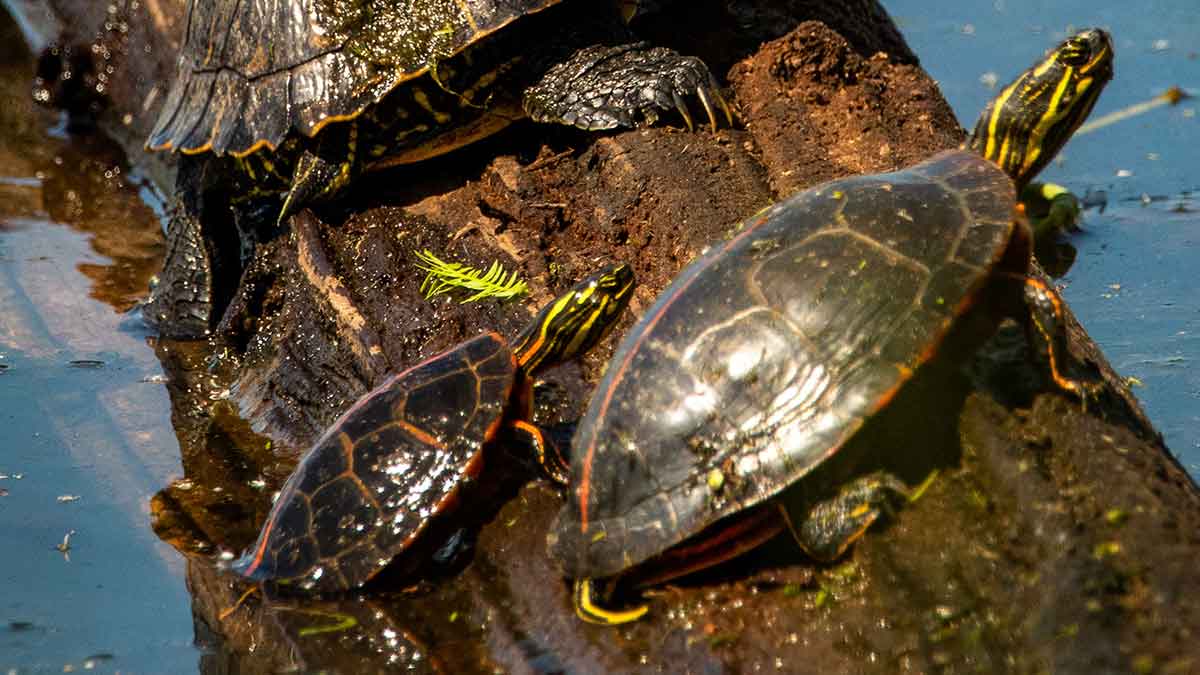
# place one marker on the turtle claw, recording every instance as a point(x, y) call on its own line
point(681, 106)
point(708, 108)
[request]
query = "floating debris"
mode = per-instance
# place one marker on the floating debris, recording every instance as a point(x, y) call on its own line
point(65, 546)
point(1171, 96)
point(65, 499)
point(92, 661)
point(85, 363)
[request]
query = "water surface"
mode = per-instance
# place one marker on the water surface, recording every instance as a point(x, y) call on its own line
point(85, 434)
point(1135, 285)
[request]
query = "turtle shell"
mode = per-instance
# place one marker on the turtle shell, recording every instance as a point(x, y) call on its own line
point(765, 356)
point(369, 486)
point(251, 71)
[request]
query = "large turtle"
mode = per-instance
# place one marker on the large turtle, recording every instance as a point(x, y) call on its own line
point(764, 357)
point(304, 95)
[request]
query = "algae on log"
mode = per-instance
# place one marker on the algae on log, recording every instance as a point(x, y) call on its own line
point(1053, 539)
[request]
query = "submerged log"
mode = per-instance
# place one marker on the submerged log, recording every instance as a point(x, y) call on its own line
point(1055, 538)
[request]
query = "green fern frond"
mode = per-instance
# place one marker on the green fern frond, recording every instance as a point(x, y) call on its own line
point(443, 277)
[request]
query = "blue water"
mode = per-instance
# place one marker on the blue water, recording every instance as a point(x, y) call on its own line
point(85, 432)
point(1135, 282)
point(85, 440)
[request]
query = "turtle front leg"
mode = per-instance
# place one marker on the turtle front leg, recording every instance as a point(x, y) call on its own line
point(546, 452)
point(829, 527)
point(1051, 209)
point(604, 87)
point(180, 301)
point(1046, 333)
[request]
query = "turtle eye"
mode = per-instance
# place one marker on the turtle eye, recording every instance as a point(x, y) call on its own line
point(1076, 51)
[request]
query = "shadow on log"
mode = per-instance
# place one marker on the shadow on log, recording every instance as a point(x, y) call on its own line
point(1054, 539)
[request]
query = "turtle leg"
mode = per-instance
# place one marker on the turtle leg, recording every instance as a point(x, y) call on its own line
point(587, 596)
point(322, 173)
point(549, 455)
point(827, 529)
point(1051, 209)
point(203, 261)
point(604, 87)
point(1046, 332)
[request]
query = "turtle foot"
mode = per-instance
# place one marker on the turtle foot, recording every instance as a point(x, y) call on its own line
point(831, 526)
point(604, 87)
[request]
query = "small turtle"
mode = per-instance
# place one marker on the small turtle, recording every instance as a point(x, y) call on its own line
point(305, 95)
point(759, 362)
point(397, 459)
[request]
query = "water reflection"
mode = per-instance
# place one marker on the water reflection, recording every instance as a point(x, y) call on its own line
point(79, 181)
point(353, 635)
point(81, 424)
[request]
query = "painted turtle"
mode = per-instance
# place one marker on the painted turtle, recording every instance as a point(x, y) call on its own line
point(305, 95)
point(764, 356)
point(371, 484)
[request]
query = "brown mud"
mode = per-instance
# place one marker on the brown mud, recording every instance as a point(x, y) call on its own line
point(1054, 538)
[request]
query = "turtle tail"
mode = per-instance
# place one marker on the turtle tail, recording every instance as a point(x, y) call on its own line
point(322, 174)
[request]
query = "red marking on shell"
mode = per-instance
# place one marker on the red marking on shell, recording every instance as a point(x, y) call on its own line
point(586, 472)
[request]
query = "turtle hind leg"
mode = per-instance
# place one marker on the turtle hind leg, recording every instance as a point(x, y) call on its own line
point(180, 302)
point(827, 529)
point(591, 609)
point(604, 87)
point(203, 261)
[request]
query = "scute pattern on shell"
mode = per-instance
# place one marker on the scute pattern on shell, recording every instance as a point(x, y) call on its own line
point(763, 357)
point(369, 486)
point(252, 71)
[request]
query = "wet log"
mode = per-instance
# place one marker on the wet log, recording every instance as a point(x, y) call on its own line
point(1056, 538)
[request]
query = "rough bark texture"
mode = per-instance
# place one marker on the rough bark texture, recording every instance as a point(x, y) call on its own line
point(1054, 538)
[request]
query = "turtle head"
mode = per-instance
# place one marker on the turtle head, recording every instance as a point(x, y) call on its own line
point(1024, 127)
point(576, 320)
